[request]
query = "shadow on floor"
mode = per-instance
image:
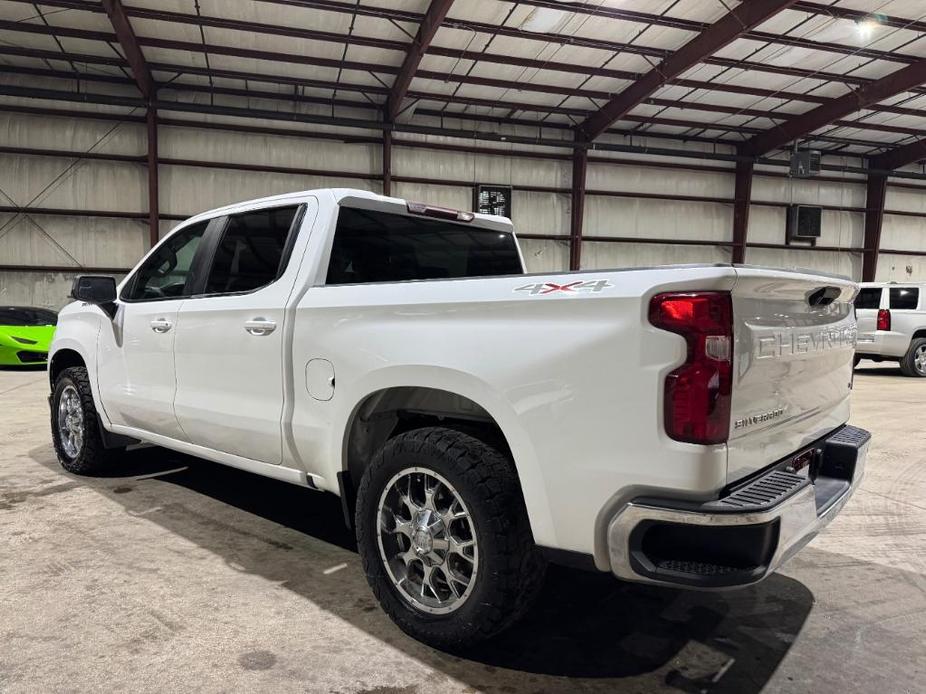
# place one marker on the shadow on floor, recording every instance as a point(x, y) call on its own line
point(876, 369)
point(585, 625)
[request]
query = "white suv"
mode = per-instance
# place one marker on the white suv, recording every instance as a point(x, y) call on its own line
point(892, 325)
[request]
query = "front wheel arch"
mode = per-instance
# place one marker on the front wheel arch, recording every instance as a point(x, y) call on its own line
point(61, 360)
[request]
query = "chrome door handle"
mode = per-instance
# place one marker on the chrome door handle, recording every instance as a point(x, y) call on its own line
point(260, 326)
point(161, 325)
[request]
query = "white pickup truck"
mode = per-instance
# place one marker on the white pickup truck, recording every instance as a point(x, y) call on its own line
point(681, 426)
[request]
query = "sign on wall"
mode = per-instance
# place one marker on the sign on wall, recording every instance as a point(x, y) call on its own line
point(493, 200)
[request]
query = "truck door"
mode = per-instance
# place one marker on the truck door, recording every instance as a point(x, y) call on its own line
point(229, 342)
point(135, 372)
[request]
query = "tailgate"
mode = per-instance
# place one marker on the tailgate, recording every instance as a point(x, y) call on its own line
point(794, 344)
point(867, 324)
point(867, 304)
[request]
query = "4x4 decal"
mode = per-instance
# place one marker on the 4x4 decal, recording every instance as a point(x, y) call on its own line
point(569, 288)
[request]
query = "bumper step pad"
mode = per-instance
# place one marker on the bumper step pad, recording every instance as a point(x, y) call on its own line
point(761, 494)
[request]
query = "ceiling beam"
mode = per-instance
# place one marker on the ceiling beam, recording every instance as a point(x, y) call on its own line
point(352, 123)
point(734, 24)
point(794, 128)
point(428, 27)
point(446, 98)
point(380, 92)
point(127, 39)
point(514, 32)
point(861, 15)
point(695, 26)
point(902, 156)
point(388, 44)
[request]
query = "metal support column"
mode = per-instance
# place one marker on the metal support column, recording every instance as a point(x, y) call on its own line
point(151, 121)
point(387, 162)
point(874, 216)
point(579, 168)
point(741, 199)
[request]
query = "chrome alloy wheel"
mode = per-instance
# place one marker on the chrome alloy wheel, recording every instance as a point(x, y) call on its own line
point(919, 359)
point(427, 540)
point(70, 421)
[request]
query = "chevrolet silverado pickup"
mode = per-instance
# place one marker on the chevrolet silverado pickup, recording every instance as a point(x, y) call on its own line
point(683, 426)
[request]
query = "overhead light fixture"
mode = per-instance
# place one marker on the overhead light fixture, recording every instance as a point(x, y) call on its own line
point(865, 28)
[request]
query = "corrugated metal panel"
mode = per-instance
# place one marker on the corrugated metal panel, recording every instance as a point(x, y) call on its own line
point(596, 255)
point(545, 256)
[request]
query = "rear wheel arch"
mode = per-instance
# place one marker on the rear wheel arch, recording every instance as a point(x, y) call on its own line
point(388, 412)
point(913, 363)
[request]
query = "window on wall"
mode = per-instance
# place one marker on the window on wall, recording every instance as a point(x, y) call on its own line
point(166, 274)
point(251, 252)
point(869, 297)
point(905, 297)
point(373, 246)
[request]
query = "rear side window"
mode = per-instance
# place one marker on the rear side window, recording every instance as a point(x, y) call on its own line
point(905, 297)
point(251, 252)
point(868, 298)
point(373, 246)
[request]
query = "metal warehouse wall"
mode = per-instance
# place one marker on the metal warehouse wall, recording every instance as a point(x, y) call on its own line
point(638, 197)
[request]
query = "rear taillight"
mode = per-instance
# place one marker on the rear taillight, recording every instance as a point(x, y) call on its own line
point(884, 319)
point(697, 394)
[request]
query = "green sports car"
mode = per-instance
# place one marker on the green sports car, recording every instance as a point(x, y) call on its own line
point(25, 334)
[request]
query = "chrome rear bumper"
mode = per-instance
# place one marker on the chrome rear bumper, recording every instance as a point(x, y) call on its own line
point(744, 536)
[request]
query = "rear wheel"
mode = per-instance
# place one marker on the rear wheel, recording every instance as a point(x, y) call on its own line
point(914, 361)
point(444, 537)
point(74, 428)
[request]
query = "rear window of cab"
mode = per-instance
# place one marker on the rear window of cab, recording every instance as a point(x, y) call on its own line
point(374, 246)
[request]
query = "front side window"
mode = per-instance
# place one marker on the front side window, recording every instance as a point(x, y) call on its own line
point(251, 252)
point(905, 297)
point(166, 274)
point(373, 246)
point(24, 316)
point(870, 297)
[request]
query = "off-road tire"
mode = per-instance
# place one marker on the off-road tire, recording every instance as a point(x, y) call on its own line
point(510, 570)
point(93, 457)
point(908, 363)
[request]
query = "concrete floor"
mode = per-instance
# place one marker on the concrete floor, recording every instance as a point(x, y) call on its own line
point(176, 574)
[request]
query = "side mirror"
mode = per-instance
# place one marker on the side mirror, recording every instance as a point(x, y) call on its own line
point(96, 289)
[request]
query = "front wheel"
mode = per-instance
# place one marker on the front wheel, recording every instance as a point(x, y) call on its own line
point(74, 428)
point(914, 361)
point(444, 537)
